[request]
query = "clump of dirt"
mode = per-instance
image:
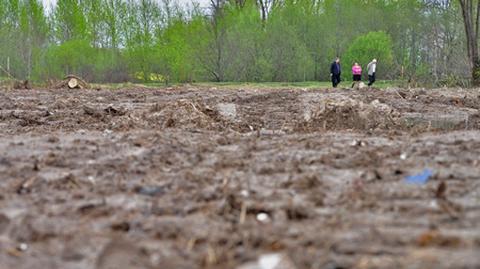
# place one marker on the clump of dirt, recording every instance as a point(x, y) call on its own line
point(347, 113)
point(183, 113)
point(22, 85)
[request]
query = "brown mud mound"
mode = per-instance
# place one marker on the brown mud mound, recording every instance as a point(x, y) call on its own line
point(267, 111)
point(347, 113)
point(183, 113)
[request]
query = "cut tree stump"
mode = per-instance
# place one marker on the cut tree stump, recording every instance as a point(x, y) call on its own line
point(72, 82)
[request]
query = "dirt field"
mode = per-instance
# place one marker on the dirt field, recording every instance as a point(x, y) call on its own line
point(213, 178)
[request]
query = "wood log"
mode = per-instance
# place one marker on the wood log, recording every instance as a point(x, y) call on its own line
point(82, 84)
point(73, 83)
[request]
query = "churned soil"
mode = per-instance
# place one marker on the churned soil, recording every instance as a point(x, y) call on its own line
point(190, 178)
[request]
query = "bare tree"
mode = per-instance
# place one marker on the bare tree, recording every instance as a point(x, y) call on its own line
point(471, 19)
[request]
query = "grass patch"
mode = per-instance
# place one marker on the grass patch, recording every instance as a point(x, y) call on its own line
point(300, 85)
point(382, 84)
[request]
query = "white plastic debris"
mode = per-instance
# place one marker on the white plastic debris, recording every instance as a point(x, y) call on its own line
point(22, 247)
point(107, 132)
point(355, 143)
point(270, 261)
point(244, 193)
point(263, 217)
point(91, 179)
point(403, 156)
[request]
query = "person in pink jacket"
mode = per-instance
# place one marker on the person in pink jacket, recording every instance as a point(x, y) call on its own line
point(357, 73)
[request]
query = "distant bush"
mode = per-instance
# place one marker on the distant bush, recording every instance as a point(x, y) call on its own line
point(364, 48)
point(71, 57)
point(454, 81)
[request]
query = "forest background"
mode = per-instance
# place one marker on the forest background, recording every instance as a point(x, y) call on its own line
point(112, 41)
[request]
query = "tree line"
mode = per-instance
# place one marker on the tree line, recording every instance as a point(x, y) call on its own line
point(231, 40)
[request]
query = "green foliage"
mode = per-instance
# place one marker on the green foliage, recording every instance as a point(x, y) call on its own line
point(176, 51)
point(374, 45)
point(287, 54)
point(71, 57)
point(454, 81)
point(69, 21)
point(287, 50)
point(290, 40)
point(244, 41)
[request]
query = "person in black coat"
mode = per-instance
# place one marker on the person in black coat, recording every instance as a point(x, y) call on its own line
point(335, 72)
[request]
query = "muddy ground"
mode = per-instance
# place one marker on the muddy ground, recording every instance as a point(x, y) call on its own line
point(214, 178)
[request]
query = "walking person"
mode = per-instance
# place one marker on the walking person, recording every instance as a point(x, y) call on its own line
point(371, 67)
point(335, 72)
point(357, 73)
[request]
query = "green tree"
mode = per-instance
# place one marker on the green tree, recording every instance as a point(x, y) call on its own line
point(233, 40)
point(364, 48)
point(69, 21)
point(245, 44)
point(285, 46)
point(34, 33)
point(142, 24)
point(71, 57)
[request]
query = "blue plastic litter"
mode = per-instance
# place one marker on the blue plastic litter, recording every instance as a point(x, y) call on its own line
point(420, 178)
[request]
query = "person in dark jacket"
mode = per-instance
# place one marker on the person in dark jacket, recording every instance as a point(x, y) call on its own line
point(335, 72)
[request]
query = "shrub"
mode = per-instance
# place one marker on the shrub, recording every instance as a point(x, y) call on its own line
point(364, 48)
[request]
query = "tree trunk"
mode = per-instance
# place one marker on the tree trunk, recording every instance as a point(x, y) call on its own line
point(263, 9)
point(471, 22)
point(476, 72)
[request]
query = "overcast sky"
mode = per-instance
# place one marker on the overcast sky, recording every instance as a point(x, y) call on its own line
point(203, 3)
